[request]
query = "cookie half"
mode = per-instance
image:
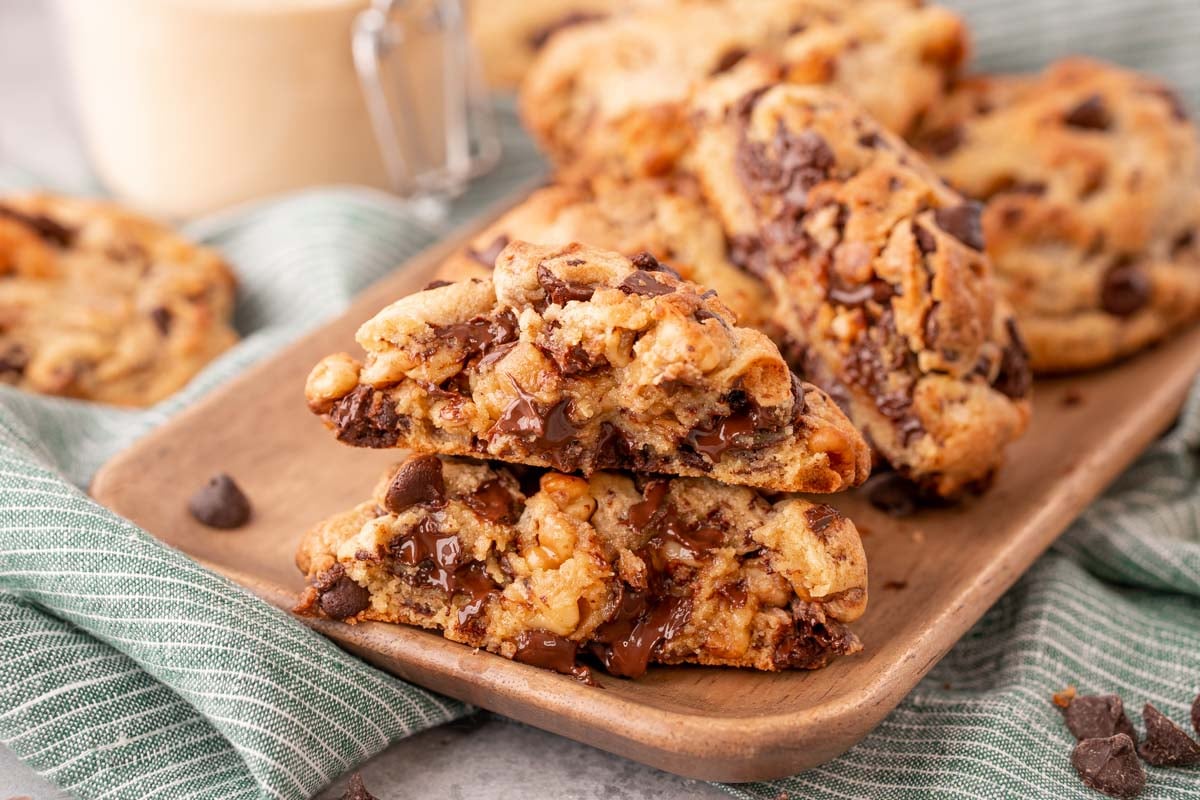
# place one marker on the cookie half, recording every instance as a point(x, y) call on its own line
point(101, 304)
point(1091, 178)
point(584, 360)
point(629, 570)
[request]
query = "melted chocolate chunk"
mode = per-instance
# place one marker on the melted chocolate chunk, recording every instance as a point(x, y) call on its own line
point(642, 283)
point(963, 223)
point(641, 513)
point(49, 230)
point(1110, 766)
point(419, 480)
point(355, 790)
point(820, 517)
point(799, 162)
point(614, 450)
point(577, 361)
point(482, 335)
point(161, 316)
point(865, 366)
point(728, 60)
point(541, 648)
point(640, 628)
point(494, 502)
point(473, 581)
point(1092, 115)
point(813, 640)
point(747, 254)
point(1097, 717)
point(1125, 289)
point(489, 254)
point(365, 418)
point(548, 431)
point(537, 40)
point(1166, 745)
point(560, 292)
point(13, 361)
point(926, 242)
point(1014, 378)
point(220, 503)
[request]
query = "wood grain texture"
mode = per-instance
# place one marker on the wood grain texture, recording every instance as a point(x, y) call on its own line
point(711, 723)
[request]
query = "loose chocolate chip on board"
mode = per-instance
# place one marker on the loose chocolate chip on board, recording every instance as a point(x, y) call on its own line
point(344, 598)
point(1110, 766)
point(1166, 745)
point(356, 791)
point(1125, 290)
point(1091, 114)
point(419, 480)
point(963, 223)
point(220, 504)
point(1098, 717)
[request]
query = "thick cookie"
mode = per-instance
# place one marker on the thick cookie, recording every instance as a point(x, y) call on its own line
point(878, 271)
point(1092, 183)
point(631, 570)
point(101, 304)
point(612, 96)
point(581, 359)
point(665, 218)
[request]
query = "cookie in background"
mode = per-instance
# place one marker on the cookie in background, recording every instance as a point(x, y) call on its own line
point(1091, 176)
point(101, 304)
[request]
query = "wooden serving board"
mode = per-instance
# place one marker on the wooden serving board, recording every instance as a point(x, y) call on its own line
point(702, 722)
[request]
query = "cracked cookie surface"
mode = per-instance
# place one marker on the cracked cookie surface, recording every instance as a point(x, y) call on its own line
point(584, 360)
point(1091, 178)
point(878, 272)
point(665, 218)
point(100, 304)
point(612, 96)
point(630, 571)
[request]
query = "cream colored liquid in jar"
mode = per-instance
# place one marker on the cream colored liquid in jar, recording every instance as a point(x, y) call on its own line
point(189, 106)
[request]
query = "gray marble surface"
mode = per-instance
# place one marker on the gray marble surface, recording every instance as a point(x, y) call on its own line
point(486, 757)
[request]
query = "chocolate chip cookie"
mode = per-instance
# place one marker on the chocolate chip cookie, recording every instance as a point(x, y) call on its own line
point(546, 568)
point(878, 270)
point(581, 359)
point(666, 218)
point(1091, 178)
point(612, 95)
point(100, 304)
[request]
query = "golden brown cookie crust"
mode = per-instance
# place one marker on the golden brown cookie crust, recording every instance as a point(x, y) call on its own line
point(581, 359)
point(878, 271)
point(1091, 176)
point(101, 304)
point(713, 574)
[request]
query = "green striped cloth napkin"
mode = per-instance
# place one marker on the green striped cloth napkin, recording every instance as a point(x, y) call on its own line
point(127, 671)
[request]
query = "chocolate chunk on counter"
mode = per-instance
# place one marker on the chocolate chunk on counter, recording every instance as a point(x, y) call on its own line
point(1098, 717)
point(1166, 745)
point(220, 503)
point(355, 790)
point(419, 480)
point(1110, 766)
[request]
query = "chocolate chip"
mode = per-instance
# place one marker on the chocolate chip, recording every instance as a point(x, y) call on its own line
point(419, 480)
point(162, 319)
point(489, 254)
point(541, 648)
point(945, 141)
point(560, 292)
point(926, 242)
point(1014, 378)
point(1097, 717)
point(436, 285)
point(493, 501)
point(481, 335)
point(820, 517)
point(643, 283)
point(547, 430)
point(963, 223)
point(13, 360)
point(356, 791)
point(728, 60)
point(1166, 745)
point(1110, 766)
point(1125, 289)
point(220, 504)
point(747, 254)
point(366, 418)
point(1091, 114)
point(47, 229)
point(344, 598)
point(894, 494)
point(625, 644)
point(792, 165)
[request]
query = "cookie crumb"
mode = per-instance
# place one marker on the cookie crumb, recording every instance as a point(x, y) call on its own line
point(1063, 699)
point(220, 503)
